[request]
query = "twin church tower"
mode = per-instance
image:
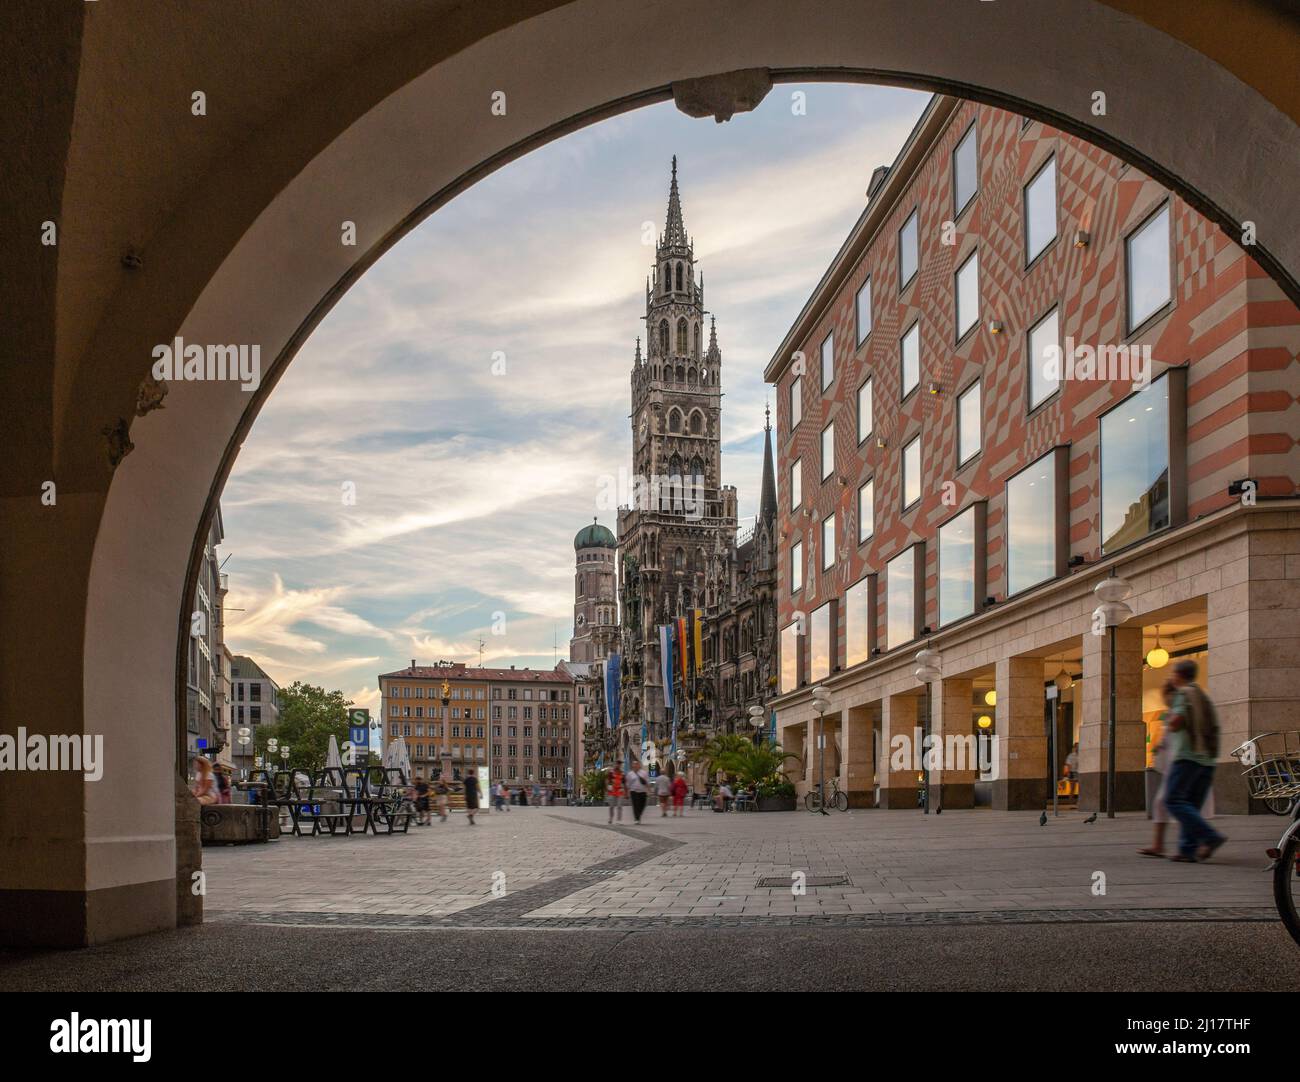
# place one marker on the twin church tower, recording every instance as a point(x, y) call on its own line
point(677, 550)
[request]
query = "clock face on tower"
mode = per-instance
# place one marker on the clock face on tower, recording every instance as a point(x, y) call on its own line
point(580, 620)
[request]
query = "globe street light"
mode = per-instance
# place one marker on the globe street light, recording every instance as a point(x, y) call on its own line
point(756, 720)
point(1112, 612)
point(927, 671)
point(821, 700)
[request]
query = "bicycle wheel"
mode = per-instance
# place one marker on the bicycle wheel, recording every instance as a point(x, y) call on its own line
point(1280, 805)
point(1286, 885)
point(810, 802)
point(840, 802)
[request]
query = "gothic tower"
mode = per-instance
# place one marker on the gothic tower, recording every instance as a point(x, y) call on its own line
point(595, 597)
point(681, 514)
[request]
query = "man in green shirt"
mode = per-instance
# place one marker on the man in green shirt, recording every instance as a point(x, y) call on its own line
point(1194, 734)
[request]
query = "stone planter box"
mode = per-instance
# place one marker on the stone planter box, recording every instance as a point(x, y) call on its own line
point(774, 803)
point(236, 824)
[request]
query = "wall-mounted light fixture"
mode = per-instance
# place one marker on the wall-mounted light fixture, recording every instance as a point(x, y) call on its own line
point(1236, 488)
point(995, 326)
point(1077, 560)
point(881, 442)
point(934, 387)
point(1082, 238)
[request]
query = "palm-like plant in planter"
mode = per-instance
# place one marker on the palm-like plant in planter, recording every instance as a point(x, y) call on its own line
point(758, 766)
point(720, 749)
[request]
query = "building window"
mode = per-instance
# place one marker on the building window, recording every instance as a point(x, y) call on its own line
point(828, 541)
point(1040, 210)
point(866, 511)
point(796, 402)
point(796, 566)
point(862, 307)
point(909, 349)
point(796, 483)
point(1135, 467)
point(828, 360)
point(969, 423)
point(819, 643)
point(912, 472)
point(857, 625)
point(789, 657)
point(965, 170)
point(909, 252)
point(1147, 268)
point(957, 567)
point(1031, 525)
point(967, 294)
point(866, 422)
point(900, 598)
point(1044, 359)
point(828, 450)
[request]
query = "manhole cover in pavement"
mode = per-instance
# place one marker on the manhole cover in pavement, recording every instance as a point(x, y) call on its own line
point(811, 881)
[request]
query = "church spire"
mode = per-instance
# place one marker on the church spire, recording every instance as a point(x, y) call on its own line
point(767, 499)
point(674, 227)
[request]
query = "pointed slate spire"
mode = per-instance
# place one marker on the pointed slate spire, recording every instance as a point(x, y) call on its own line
point(637, 359)
point(674, 227)
point(714, 354)
point(767, 499)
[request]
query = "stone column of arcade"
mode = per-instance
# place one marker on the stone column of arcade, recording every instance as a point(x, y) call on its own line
point(1130, 731)
point(954, 737)
point(1021, 781)
point(857, 764)
point(899, 716)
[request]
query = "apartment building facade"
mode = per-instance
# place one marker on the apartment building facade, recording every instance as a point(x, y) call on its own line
point(1029, 368)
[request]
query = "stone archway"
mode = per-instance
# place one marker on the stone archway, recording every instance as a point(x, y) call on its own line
point(233, 232)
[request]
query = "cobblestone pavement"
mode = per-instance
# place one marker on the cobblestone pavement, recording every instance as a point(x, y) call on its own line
point(564, 867)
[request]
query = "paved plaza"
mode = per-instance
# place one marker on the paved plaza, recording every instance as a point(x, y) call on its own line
point(564, 867)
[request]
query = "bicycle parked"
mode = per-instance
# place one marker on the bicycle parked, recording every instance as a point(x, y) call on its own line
point(1272, 762)
point(834, 798)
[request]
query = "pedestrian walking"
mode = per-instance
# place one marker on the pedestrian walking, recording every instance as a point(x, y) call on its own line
point(471, 795)
point(441, 790)
point(1161, 761)
point(1194, 727)
point(638, 788)
point(523, 797)
point(615, 793)
point(1072, 772)
point(205, 781)
point(498, 797)
point(679, 795)
point(423, 817)
point(663, 794)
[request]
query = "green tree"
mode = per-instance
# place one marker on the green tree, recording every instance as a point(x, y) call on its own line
point(756, 764)
point(309, 716)
point(715, 753)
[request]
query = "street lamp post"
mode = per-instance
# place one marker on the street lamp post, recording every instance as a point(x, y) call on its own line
point(756, 720)
point(1110, 614)
point(821, 699)
point(927, 671)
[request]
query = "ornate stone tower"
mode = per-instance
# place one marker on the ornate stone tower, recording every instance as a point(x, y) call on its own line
point(595, 595)
point(681, 514)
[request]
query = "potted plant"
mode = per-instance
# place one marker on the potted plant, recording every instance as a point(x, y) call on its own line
point(758, 767)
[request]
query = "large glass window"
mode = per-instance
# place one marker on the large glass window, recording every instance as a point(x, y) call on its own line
point(865, 421)
point(909, 352)
point(1135, 467)
point(957, 567)
point(863, 309)
point(1044, 359)
point(828, 450)
point(1146, 267)
point(1040, 210)
point(900, 598)
point(796, 483)
point(1031, 525)
point(796, 566)
point(967, 291)
point(965, 170)
point(819, 643)
point(969, 423)
point(866, 511)
point(828, 360)
point(789, 658)
point(857, 626)
point(912, 472)
point(828, 541)
point(796, 402)
point(909, 252)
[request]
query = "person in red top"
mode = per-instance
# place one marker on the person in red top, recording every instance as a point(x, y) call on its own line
point(679, 794)
point(615, 793)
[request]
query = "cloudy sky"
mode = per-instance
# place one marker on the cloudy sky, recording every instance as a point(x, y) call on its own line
point(414, 483)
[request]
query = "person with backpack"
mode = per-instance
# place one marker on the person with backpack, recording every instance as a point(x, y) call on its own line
point(1193, 730)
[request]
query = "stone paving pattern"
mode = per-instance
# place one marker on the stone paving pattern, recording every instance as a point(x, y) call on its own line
point(564, 867)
